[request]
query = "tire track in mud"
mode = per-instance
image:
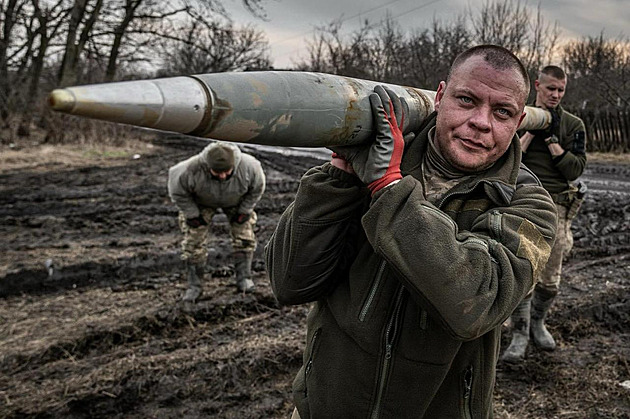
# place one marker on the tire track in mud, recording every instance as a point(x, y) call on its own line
point(166, 320)
point(219, 345)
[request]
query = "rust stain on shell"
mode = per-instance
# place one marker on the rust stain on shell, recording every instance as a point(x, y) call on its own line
point(351, 125)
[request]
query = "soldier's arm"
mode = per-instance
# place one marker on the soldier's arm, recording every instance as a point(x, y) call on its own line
point(315, 240)
point(569, 156)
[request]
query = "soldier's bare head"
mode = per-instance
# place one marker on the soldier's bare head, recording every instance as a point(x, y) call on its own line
point(497, 57)
point(480, 106)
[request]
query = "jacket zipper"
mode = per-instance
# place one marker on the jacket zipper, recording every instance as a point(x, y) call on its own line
point(372, 294)
point(309, 364)
point(468, 381)
point(390, 336)
point(496, 218)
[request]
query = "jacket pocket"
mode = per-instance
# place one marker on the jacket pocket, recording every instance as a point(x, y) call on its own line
point(467, 386)
point(424, 340)
point(376, 284)
point(308, 367)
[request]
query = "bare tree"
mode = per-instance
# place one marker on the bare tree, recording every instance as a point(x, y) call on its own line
point(10, 12)
point(511, 25)
point(383, 52)
point(81, 14)
point(431, 51)
point(504, 23)
point(422, 59)
point(49, 19)
point(542, 44)
point(204, 46)
point(368, 52)
point(599, 71)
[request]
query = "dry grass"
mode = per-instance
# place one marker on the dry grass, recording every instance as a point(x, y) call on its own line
point(46, 157)
point(609, 157)
point(70, 141)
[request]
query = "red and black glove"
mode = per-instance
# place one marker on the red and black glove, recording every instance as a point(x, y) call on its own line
point(239, 218)
point(196, 222)
point(377, 164)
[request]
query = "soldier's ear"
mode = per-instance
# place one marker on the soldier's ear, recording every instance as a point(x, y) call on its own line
point(440, 94)
point(521, 120)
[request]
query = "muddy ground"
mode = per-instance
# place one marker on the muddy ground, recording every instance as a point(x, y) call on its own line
point(101, 334)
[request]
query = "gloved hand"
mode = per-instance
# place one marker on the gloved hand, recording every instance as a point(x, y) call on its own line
point(552, 129)
point(196, 222)
point(239, 218)
point(377, 164)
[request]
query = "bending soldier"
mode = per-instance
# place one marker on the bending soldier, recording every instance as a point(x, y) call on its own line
point(220, 177)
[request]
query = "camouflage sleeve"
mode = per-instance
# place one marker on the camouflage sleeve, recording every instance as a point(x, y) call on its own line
point(179, 190)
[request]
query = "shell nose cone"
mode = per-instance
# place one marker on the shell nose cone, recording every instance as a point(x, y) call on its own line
point(61, 100)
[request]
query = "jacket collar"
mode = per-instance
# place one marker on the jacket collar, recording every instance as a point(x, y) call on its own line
point(498, 181)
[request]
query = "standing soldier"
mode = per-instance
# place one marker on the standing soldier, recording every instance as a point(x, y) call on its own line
point(557, 156)
point(220, 177)
point(412, 254)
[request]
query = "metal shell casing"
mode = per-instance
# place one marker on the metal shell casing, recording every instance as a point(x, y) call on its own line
point(277, 108)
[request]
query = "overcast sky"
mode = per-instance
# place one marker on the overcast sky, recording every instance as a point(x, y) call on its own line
point(291, 22)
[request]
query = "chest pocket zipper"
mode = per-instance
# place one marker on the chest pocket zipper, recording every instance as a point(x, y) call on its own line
point(496, 219)
point(390, 336)
point(311, 357)
point(375, 286)
point(468, 382)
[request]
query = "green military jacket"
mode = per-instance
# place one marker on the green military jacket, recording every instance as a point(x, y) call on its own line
point(191, 186)
point(408, 297)
point(556, 173)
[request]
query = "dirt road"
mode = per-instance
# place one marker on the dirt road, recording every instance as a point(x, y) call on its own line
point(99, 333)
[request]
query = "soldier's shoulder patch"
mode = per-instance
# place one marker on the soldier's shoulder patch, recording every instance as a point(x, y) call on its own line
point(533, 247)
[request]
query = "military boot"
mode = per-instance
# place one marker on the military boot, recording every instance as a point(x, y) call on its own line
point(515, 353)
point(243, 268)
point(194, 273)
point(540, 305)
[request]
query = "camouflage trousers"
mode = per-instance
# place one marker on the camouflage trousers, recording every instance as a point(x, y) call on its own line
point(195, 243)
point(550, 277)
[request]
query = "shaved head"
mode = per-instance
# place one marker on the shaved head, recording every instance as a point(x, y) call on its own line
point(498, 58)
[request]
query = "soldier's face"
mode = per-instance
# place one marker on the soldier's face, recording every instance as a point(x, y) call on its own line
point(549, 91)
point(478, 113)
point(221, 175)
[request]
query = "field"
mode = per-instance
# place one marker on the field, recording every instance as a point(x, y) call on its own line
point(90, 281)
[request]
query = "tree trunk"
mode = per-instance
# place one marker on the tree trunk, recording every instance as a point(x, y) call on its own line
point(130, 12)
point(10, 19)
point(24, 129)
point(67, 71)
